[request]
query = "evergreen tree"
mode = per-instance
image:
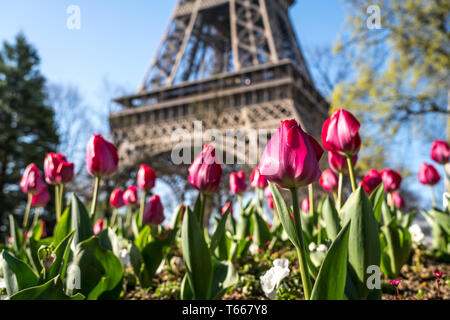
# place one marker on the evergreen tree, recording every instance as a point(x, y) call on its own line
point(27, 127)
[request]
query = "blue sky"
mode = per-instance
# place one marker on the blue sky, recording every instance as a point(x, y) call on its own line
point(118, 39)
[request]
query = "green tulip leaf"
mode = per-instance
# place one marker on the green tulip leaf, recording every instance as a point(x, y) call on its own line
point(219, 232)
point(330, 282)
point(15, 233)
point(331, 218)
point(62, 252)
point(17, 274)
point(51, 290)
point(81, 221)
point(63, 227)
point(196, 256)
point(224, 277)
point(376, 198)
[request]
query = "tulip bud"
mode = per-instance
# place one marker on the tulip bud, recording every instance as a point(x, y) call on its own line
point(238, 185)
point(391, 179)
point(57, 169)
point(340, 133)
point(226, 206)
point(146, 178)
point(130, 196)
point(41, 199)
point(31, 181)
point(328, 181)
point(339, 163)
point(440, 152)
point(116, 199)
point(98, 226)
point(397, 200)
point(305, 205)
point(205, 172)
point(154, 211)
point(291, 157)
point(428, 175)
point(257, 180)
point(371, 180)
point(101, 157)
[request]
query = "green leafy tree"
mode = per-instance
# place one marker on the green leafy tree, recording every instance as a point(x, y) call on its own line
point(402, 69)
point(27, 127)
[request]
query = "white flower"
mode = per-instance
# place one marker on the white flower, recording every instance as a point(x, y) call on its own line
point(270, 281)
point(124, 257)
point(416, 233)
point(312, 246)
point(322, 248)
point(176, 263)
point(445, 199)
point(254, 249)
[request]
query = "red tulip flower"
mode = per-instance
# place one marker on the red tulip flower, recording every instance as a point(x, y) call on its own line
point(339, 163)
point(101, 157)
point(98, 226)
point(398, 200)
point(270, 203)
point(41, 199)
point(328, 181)
point(130, 196)
point(205, 172)
point(154, 211)
point(428, 175)
point(226, 206)
point(440, 152)
point(340, 133)
point(305, 205)
point(391, 179)
point(371, 181)
point(257, 180)
point(146, 178)
point(57, 169)
point(291, 157)
point(116, 199)
point(31, 181)
point(238, 185)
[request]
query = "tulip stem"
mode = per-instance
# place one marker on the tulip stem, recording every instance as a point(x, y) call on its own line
point(27, 210)
point(129, 215)
point(311, 199)
point(94, 198)
point(36, 216)
point(142, 206)
point(301, 252)
point(113, 217)
point(433, 199)
point(58, 213)
point(61, 199)
point(351, 170)
point(202, 210)
point(240, 202)
point(339, 195)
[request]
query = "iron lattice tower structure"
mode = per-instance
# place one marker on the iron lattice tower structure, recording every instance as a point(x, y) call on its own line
point(229, 63)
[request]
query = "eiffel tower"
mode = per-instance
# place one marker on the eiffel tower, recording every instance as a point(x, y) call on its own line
point(228, 63)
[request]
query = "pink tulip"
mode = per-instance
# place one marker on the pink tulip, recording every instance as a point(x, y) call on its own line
point(41, 199)
point(340, 133)
point(291, 157)
point(205, 172)
point(428, 175)
point(257, 180)
point(226, 206)
point(238, 185)
point(57, 169)
point(268, 192)
point(98, 226)
point(371, 181)
point(270, 203)
point(146, 178)
point(391, 179)
point(305, 205)
point(101, 157)
point(395, 282)
point(339, 163)
point(398, 200)
point(154, 211)
point(31, 181)
point(130, 196)
point(440, 151)
point(116, 199)
point(328, 180)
